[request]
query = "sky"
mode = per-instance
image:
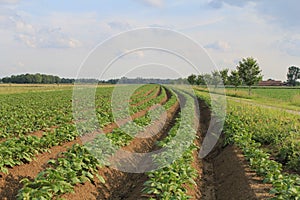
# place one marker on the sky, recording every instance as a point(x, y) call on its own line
point(56, 37)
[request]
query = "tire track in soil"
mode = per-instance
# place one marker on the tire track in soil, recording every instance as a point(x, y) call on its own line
point(120, 185)
point(226, 174)
point(10, 183)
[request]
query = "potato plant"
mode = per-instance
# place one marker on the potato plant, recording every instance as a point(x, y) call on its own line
point(77, 165)
point(168, 182)
point(262, 133)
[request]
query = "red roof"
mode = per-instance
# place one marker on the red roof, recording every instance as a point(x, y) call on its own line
point(270, 83)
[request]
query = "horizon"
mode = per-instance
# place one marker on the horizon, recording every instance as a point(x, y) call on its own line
point(119, 78)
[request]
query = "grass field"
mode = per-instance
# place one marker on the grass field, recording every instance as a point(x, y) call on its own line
point(282, 97)
point(49, 150)
point(24, 88)
point(28, 88)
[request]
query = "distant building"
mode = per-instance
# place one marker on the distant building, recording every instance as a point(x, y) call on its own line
point(270, 82)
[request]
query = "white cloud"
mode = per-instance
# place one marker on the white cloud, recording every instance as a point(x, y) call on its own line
point(119, 25)
point(218, 46)
point(284, 13)
point(290, 45)
point(132, 54)
point(9, 1)
point(280, 12)
point(20, 64)
point(36, 36)
point(153, 3)
point(221, 3)
point(203, 23)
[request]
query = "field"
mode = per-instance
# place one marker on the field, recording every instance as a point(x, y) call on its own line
point(56, 145)
point(281, 97)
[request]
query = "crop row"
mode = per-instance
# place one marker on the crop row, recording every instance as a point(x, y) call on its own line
point(263, 135)
point(113, 107)
point(176, 172)
point(16, 151)
point(122, 136)
point(144, 92)
point(78, 165)
point(277, 132)
point(29, 112)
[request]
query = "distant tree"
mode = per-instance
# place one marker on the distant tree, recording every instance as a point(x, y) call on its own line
point(292, 75)
point(249, 72)
point(235, 79)
point(112, 81)
point(56, 79)
point(224, 76)
point(28, 78)
point(67, 80)
point(6, 80)
point(200, 80)
point(216, 78)
point(208, 79)
point(192, 79)
point(34, 78)
point(37, 78)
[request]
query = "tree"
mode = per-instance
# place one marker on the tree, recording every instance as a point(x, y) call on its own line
point(207, 78)
point(249, 72)
point(292, 75)
point(216, 78)
point(192, 79)
point(235, 79)
point(37, 78)
point(200, 80)
point(224, 76)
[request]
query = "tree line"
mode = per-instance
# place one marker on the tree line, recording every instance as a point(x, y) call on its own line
point(51, 79)
point(36, 79)
point(246, 73)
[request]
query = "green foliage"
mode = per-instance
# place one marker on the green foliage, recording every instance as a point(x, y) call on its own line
point(293, 75)
point(285, 186)
point(79, 163)
point(49, 109)
point(234, 79)
point(259, 132)
point(168, 182)
point(200, 80)
point(224, 76)
point(75, 166)
point(35, 78)
point(192, 79)
point(249, 72)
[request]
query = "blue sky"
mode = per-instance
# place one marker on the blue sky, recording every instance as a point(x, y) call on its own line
point(56, 36)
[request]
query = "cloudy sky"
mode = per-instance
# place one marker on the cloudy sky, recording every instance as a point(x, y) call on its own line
point(56, 36)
